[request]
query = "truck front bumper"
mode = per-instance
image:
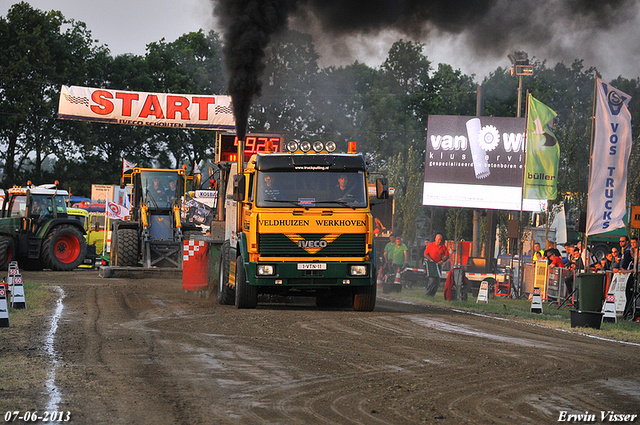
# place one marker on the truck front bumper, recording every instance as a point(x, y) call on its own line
point(314, 274)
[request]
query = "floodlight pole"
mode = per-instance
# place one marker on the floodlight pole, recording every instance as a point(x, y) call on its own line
point(519, 95)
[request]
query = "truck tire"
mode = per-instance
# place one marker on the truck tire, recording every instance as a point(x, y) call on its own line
point(246, 295)
point(7, 250)
point(127, 251)
point(364, 298)
point(600, 251)
point(226, 295)
point(63, 248)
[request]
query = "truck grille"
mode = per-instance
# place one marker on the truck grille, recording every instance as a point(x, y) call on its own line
point(278, 245)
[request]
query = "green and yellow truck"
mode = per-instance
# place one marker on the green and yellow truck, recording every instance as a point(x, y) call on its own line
point(298, 223)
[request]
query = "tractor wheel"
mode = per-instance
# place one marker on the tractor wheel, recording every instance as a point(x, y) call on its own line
point(63, 248)
point(7, 251)
point(364, 299)
point(226, 295)
point(246, 295)
point(128, 253)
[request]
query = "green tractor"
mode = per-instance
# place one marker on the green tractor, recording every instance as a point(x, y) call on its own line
point(36, 230)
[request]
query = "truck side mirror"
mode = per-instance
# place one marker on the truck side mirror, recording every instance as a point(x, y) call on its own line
point(382, 188)
point(238, 188)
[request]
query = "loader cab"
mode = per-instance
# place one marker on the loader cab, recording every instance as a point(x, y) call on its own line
point(160, 190)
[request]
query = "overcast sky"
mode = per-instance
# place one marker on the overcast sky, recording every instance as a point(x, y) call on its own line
point(128, 26)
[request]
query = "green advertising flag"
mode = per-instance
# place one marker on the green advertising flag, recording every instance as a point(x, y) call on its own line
point(543, 153)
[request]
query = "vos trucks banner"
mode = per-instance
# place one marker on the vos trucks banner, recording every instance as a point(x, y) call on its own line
point(476, 162)
point(199, 112)
point(606, 204)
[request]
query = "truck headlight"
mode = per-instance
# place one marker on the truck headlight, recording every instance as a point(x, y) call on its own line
point(358, 270)
point(266, 270)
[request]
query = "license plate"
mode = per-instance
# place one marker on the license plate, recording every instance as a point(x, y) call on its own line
point(312, 266)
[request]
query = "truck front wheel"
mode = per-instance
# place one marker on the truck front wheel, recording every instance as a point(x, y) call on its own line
point(246, 295)
point(64, 248)
point(6, 251)
point(225, 292)
point(364, 298)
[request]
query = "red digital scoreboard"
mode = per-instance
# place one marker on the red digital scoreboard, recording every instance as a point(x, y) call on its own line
point(253, 143)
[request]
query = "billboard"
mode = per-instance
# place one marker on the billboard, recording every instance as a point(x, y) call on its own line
point(198, 112)
point(476, 162)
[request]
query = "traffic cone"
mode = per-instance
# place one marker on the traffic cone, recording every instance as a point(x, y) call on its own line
point(17, 293)
point(380, 279)
point(609, 309)
point(4, 309)
point(397, 281)
point(536, 301)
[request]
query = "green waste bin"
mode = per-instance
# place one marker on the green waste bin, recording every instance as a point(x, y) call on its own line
point(590, 291)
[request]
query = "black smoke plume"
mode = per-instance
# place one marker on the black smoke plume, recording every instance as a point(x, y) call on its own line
point(249, 27)
point(491, 27)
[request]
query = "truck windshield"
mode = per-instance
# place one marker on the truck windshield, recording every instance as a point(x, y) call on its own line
point(311, 189)
point(159, 188)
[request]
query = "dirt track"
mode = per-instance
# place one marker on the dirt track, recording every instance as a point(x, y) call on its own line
point(144, 352)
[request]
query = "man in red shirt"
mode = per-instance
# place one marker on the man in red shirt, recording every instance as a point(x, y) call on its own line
point(554, 260)
point(438, 253)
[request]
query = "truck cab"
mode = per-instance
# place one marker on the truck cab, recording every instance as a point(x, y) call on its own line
point(305, 228)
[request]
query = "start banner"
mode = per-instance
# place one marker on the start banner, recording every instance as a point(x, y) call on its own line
point(198, 112)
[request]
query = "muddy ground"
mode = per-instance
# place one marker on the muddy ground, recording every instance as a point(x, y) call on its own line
point(142, 351)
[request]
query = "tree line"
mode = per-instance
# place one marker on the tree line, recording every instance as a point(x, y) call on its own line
point(384, 109)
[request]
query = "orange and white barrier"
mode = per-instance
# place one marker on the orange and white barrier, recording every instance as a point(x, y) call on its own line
point(483, 293)
point(4, 308)
point(17, 293)
point(609, 309)
point(536, 301)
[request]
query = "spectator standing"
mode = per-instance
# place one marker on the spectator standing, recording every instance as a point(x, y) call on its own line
point(615, 261)
point(627, 263)
point(608, 261)
point(575, 267)
point(388, 252)
point(629, 254)
point(624, 245)
point(399, 255)
point(588, 260)
point(551, 246)
point(538, 254)
point(568, 259)
point(438, 253)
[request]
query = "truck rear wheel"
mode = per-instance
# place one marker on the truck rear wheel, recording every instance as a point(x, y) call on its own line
point(364, 298)
point(246, 295)
point(127, 250)
point(63, 248)
point(226, 295)
point(7, 250)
